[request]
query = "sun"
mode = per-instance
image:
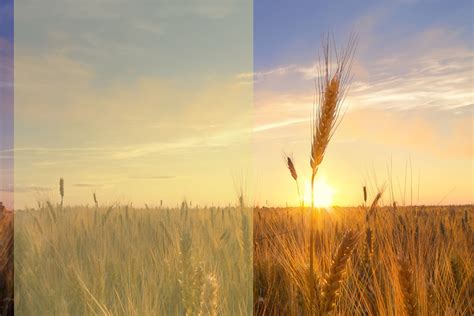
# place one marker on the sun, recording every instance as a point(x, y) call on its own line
point(323, 193)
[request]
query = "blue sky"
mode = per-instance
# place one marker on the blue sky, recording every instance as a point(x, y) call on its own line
point(6, 101)
point(287, 31)
point(6, 13)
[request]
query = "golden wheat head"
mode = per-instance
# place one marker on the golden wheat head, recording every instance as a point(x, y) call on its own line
point(406, 282)
point(332, 282)
point(332, 85)
point(291, 167)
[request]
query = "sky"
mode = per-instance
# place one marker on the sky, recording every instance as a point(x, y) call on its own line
point(136, 101)
point(6, 103)
point(148, 101)
point(408, 124)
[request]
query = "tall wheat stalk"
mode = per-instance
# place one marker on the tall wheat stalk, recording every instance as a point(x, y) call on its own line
point(332, 86)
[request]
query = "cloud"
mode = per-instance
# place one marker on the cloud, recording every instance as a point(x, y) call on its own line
point(281, 124)
point(279, 71)
point(419, 98)
point(58, 92)
point(439, 80)
point(425, 74)
point(220, 139)
point(25, 189)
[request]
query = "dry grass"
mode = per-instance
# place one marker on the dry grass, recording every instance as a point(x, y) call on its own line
point(421, 262)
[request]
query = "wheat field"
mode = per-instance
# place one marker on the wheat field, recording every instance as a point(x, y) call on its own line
point(405, 261)
point(119, 260)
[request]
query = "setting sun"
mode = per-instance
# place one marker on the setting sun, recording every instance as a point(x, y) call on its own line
point(323, 193)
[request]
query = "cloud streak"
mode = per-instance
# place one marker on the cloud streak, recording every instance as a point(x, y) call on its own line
point(26, 189)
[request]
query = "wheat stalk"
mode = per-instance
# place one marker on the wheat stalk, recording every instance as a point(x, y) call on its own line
point(332, 282)
point(332, 86)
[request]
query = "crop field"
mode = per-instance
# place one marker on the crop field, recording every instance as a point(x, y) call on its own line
point(382, 261)
point(121, 260)
point(125, 261)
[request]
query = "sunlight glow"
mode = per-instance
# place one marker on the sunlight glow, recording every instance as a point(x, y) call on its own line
point(323, 193)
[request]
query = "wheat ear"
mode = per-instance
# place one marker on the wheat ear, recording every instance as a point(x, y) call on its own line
point(291, 166)
point(406, 281)
point(332, 282)
point(332, 86)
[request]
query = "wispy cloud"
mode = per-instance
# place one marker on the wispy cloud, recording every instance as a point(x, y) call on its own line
point(280, 124)
point(48, 157)
point(417, 98)
point(440, 77)
point(26, 189)
point(258, 75)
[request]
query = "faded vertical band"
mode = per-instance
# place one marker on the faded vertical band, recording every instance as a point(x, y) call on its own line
point(6, 157)
point(131, 120)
